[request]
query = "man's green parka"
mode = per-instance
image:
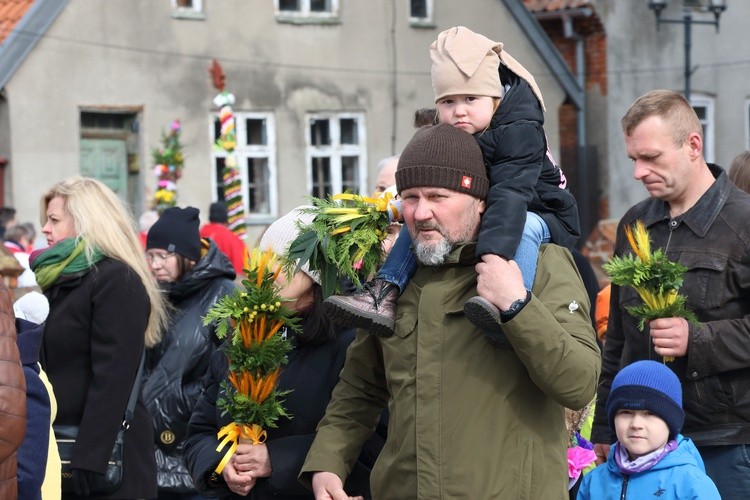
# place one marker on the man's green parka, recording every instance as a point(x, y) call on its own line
point(466, 420)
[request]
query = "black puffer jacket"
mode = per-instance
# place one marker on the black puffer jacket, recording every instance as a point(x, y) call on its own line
point(176, 365)
point(523, 177)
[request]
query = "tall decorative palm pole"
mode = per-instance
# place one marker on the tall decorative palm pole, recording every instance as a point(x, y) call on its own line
point(227, 142)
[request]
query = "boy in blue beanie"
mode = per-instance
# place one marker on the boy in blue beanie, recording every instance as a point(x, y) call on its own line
point(650, 457)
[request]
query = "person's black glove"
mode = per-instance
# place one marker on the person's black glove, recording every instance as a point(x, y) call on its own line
point(82, 481)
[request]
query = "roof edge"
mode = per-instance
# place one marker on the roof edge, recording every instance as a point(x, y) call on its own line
point(544, 46)
point(26, 34)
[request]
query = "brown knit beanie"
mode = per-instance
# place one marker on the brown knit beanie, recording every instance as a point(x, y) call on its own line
point(443, 156)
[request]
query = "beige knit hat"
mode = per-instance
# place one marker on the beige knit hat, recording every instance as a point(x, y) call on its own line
point(283, 231)
point(464, 62)
point(446, 157)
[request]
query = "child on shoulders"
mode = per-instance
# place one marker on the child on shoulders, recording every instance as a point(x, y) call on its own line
point(482, 90)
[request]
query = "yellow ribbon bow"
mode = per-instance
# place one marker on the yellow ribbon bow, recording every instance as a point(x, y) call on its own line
point(231, 434)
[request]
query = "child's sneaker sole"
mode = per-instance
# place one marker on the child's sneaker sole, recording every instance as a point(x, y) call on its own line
point(485, 316)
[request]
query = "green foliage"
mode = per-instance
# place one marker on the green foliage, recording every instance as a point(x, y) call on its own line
point(255, 318)
point(263, 357)
point(343, 239)
point(659, 274)
point(247, 302)
point(244, 410)
point(653, 276)
point(677, 309)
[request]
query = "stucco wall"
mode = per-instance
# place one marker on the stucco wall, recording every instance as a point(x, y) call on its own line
point(132, 53)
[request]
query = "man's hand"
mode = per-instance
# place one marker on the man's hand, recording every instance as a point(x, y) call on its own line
point(240, 483)
point(670, 336)
point(602, 452)
point(252, 459)
point(328, 486)
point(499, 281)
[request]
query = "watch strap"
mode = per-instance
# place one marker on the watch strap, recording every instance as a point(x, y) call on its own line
point(515, 308)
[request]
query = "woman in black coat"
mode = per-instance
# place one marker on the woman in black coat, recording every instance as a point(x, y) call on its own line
point(104, 308)
point(270, 470)
point(194, 274)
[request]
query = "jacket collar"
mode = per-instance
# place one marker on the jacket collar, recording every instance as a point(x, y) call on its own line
point(703, 214)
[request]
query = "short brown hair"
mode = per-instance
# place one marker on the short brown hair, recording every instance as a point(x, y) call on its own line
point(424, 117)
point(739, 171)
point(668, 105)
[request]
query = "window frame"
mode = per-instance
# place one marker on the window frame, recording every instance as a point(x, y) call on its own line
point(244, 151)
point(708, 124)
point(193, 12)
point(306, 16)
point(336, 151)
point(422, 22)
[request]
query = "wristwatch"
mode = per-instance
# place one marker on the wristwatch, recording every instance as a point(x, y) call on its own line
point(515, 308)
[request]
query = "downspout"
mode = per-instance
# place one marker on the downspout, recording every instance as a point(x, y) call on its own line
point(583, 168)
point(569, 33)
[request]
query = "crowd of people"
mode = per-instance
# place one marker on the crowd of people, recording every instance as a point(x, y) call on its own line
point(449, 375)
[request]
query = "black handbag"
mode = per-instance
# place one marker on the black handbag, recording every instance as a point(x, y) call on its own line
point(65, 435)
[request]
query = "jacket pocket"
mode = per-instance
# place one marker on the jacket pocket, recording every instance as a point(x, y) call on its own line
point(705, 281)
point(710, 395)
point(525, 467)
point(405, 324)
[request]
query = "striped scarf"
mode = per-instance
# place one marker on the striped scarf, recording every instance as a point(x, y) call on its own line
point(64, 259)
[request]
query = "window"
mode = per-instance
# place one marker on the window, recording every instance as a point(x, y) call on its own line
point(305, 11)
point(336, 153)
point(704, 108)
point(256, 160)
point(187, 9)
point(420, 13)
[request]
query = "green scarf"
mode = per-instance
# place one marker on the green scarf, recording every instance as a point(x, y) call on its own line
point(64, 259)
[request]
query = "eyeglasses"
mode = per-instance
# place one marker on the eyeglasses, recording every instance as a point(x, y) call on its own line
point(159, 258)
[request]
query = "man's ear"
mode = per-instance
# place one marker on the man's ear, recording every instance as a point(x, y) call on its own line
point(482, 206)
point(695, 143)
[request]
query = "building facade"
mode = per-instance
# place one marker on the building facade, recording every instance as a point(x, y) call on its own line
point(323, 90)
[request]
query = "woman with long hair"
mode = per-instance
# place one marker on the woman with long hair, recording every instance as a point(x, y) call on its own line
point(105, 308)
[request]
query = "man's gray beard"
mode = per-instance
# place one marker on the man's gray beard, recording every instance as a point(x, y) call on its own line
point(433, 255)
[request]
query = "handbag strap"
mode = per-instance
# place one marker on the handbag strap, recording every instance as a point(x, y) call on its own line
point(133, 395)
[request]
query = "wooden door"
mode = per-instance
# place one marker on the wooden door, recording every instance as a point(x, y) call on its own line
point(106, 160)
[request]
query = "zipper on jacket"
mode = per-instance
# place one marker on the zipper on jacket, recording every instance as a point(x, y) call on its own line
point(624, 490)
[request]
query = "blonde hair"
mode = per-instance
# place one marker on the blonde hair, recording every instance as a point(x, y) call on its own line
point(101, 220)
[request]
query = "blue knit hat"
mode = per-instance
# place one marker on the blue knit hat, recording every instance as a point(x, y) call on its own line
point(648, 385)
